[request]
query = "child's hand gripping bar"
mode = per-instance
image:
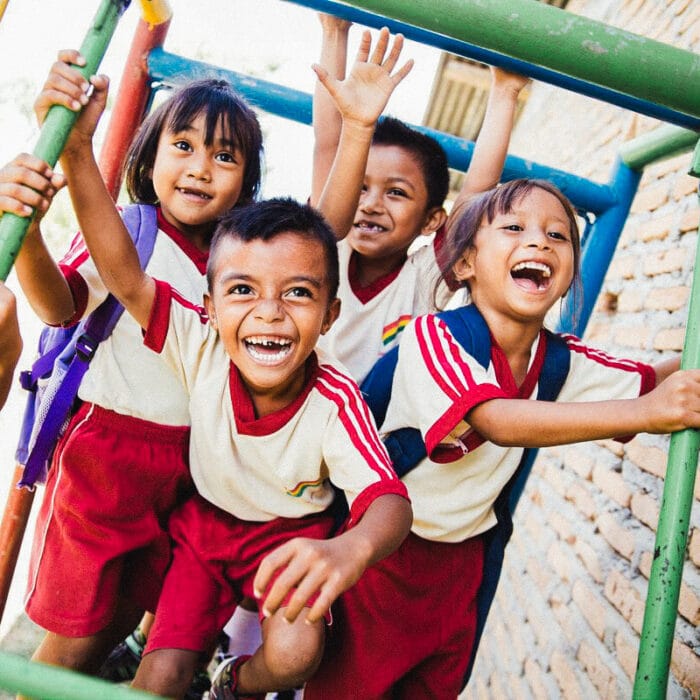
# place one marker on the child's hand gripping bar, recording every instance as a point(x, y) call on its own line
point(59, 122)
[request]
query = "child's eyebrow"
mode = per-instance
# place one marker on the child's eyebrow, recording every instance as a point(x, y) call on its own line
point(243, 277)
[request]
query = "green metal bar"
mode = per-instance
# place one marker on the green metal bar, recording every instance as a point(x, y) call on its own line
point(35, 680)
point(664, 142)
point(672, 534)
point(562, 41)
point(59, 122)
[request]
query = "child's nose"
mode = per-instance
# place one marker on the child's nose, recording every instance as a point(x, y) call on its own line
point(269, 310)
point(370, 200)
point(198, 167)
point(537, 237)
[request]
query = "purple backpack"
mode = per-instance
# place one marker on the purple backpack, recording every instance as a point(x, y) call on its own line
point(64, 356)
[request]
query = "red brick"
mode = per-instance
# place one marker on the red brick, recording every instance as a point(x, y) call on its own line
point(623, 266)
point(665, 261)
point(557, 479)
point(646, 509)
point(583, 500)
point(667, 299)
point(612, 484)
point(624, 596)
point(601, 676)
point(535, 677)
point(562, 527)
point(669, 339)
point(566, 621)
point(689, 221)
point(565, 676)
point(650, 459)
point(616, 535)
point(617, 448)
point(694, 547)
point(590, 606)
point(576, 460)
point(541, 575)
point(590, 559)
point(561, 559)
point(636, 337)
point(657, 228)
point(630, 300)
point(685, 666)
point(685, 185)
point(626, 653)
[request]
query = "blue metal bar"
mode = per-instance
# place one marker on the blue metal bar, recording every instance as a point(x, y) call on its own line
point(599, 249)
point(541, 73)
point(170, 69)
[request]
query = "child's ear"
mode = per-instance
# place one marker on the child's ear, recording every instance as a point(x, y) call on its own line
point(434, 219)
point(464, 268)
point(332, 314)
point(211, 311)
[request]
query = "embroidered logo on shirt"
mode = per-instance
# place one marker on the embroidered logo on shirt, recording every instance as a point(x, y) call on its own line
point(298, 490)
point(391, 331)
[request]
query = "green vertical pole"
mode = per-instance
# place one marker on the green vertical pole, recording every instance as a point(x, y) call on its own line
point(672, 534)
point(59, 122)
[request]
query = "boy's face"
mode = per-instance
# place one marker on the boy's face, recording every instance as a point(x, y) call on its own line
point(393, 206)
point(270, 302)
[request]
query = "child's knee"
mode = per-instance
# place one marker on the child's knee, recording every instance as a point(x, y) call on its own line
point(166, 671)
point(293, 650)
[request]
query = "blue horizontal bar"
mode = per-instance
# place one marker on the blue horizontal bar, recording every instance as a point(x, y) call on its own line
point(171, 69)
point(545, 75)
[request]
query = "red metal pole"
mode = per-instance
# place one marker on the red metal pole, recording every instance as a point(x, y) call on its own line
point(129, 107)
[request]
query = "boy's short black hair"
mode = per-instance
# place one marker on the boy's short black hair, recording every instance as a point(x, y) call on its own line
point(428, 153)
point(220, 104)
point(269, 218)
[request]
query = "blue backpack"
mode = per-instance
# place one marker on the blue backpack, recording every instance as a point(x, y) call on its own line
point(64, 355)
point(407, 448)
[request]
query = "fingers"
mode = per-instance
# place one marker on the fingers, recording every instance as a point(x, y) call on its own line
point(380, 47)
point(28, 183)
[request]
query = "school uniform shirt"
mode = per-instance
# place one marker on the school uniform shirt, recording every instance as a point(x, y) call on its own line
point(372, 318)
point(435, 385)
point(280, 465)
point(124, 376)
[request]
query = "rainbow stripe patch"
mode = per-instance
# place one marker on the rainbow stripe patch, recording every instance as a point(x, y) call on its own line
point(393, 329)
point(299, 489)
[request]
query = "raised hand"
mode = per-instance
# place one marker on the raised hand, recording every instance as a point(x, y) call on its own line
point(674, 404)
point(363, 95)
point(66, 86)
point(27, 183)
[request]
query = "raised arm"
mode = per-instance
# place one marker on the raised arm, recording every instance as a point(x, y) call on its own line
point(360, 99)
point(491, 146)
point(10, 341)
point(27, 183)
point(106, 236)
point(673, 405)
point(326, 118)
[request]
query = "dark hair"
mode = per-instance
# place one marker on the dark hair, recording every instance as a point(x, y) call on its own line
point(273, 217)
point(427, 152)
point(465, 223)
point(220, 104)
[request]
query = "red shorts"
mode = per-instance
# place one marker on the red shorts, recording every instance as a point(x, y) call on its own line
point(215, 559)
point(100, 533)
point(406, 629)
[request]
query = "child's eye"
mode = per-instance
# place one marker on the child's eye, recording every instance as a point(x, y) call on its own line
point(240, 289)
point(558, 236)
point(513, 227)
point(226, 157)
point(182, 145)
point(299, 292)
point(397, 192)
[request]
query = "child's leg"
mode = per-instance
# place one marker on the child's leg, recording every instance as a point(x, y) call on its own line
point(243, 629)
point(288, 657)
point(167, 672)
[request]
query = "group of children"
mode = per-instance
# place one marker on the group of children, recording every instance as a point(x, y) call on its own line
point(221, 425)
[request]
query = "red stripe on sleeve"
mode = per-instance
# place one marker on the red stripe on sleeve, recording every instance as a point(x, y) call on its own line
point(159, 320)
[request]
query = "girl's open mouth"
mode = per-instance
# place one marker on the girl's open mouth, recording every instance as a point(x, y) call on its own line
point(533, 275)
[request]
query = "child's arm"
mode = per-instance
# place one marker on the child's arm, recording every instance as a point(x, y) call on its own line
point(326, 118)
point(491, 146)
point(332, 566)
point(360, 99)
point(10, 341)
point(105, 234)
point(27, 183)
point(673, 405)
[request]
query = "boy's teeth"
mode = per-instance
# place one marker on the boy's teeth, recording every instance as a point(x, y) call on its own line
point(268, 342)
point(532, 265)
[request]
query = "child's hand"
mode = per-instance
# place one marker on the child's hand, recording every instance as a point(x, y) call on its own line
point(66, 86)
point(28, 183)
point(331, 23)
point(309, 566)
point(675, 403)
point(362, 96)
point(508, 82)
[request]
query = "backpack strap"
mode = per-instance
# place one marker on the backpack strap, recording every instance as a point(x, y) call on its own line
point(74, 358)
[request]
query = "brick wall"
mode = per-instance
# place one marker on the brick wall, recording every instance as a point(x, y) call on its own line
point(568, 613)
